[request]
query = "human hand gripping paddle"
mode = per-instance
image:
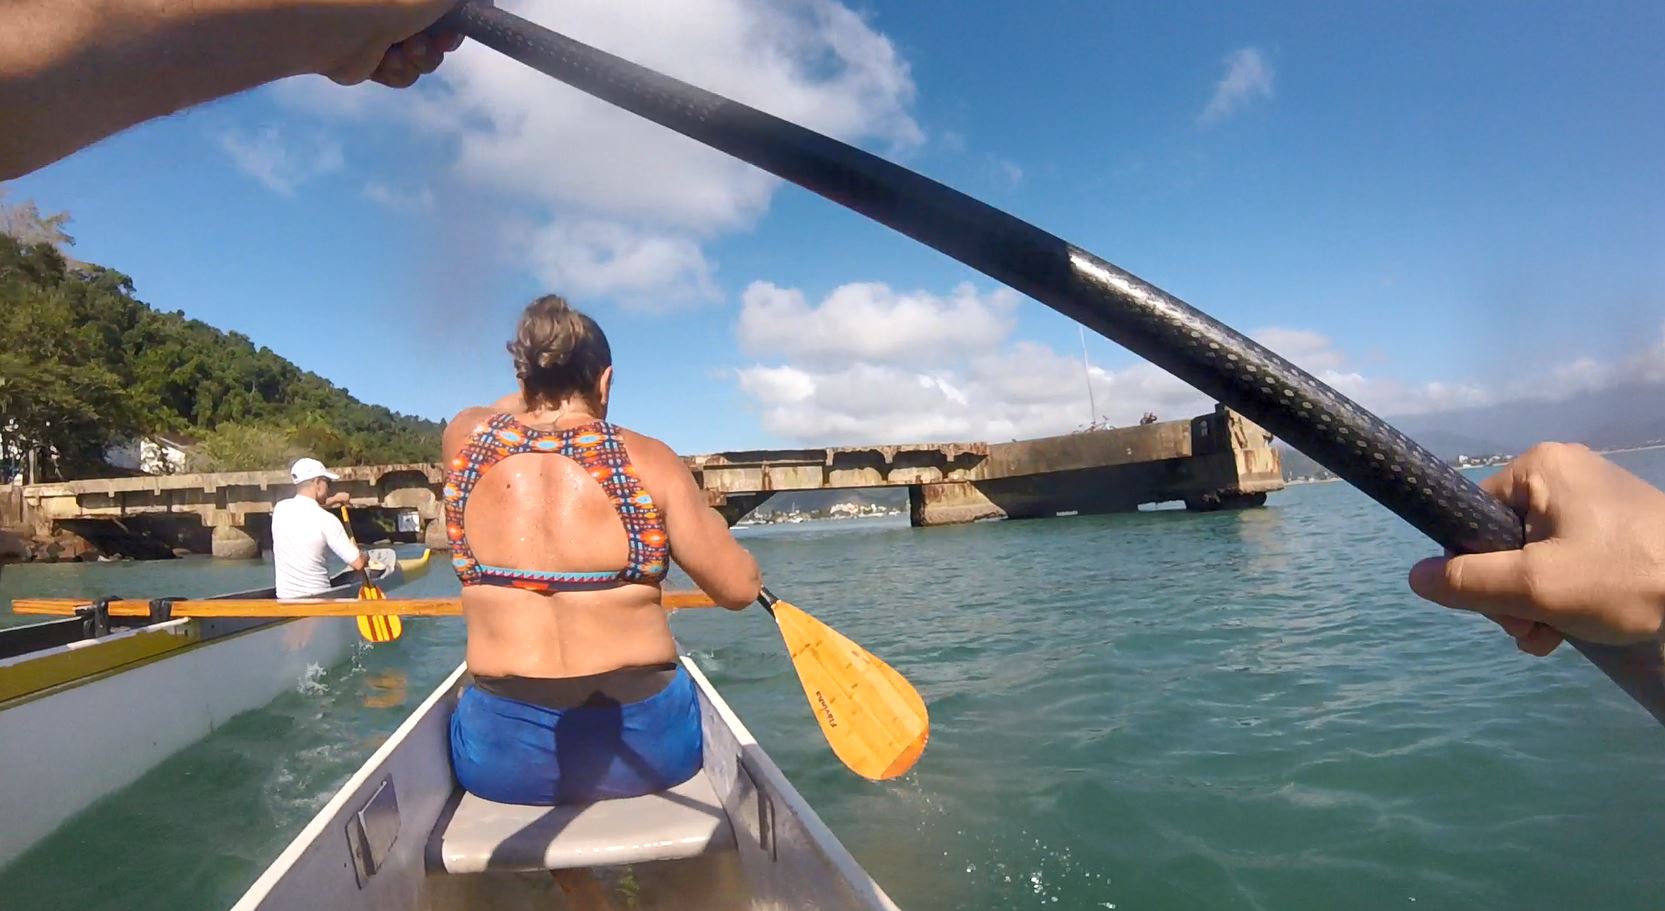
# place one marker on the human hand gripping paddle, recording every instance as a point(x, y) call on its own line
point(373, 627)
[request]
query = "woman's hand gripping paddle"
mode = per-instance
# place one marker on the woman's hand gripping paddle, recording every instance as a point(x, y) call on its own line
point(872, 717)
point(373, 628)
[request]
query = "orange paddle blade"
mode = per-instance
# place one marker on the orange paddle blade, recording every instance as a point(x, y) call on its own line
point(872, 717)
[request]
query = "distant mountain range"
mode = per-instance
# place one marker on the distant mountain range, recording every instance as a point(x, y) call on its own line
point(1615, 418)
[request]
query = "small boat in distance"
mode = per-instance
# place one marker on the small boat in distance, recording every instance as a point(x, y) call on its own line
point(89, 703)
point(402, 836)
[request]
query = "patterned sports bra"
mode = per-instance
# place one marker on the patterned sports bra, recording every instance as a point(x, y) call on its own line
point(599, 450)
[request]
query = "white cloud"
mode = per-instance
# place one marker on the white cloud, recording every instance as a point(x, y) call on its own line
point(1248, 78)
point(645, 268)
point(420, 199)
point(1008, 171)
point(1586, 374)
point(869, 364)
point(281, 164)
point(813, 62)
point(867, 369)
point(1318, 355)
point(571, 160)
point(1028, 391)
point(871, 322)
point(1311, 351)
point(776, 385)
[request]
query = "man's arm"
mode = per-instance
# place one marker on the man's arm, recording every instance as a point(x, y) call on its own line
point(335, 535)
point(75, 71)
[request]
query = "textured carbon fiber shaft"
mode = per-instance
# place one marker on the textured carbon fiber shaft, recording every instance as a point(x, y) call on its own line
point(1216, 359)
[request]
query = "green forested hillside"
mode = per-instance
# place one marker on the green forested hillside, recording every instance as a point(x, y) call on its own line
point(84, 363)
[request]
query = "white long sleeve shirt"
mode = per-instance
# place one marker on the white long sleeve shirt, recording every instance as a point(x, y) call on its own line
point(302, 531)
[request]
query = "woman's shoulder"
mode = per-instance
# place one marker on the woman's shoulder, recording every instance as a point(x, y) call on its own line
point(644, 450)
point(472, 415)
point(465, 424)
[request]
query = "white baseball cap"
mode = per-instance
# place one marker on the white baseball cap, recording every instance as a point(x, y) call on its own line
point(306, 469)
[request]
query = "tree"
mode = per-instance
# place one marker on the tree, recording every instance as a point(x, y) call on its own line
point(25, 223)
point(58, 397)
point(86, 364)
point(244, 447)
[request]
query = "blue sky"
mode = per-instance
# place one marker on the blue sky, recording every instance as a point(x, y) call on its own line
point(1430, 205)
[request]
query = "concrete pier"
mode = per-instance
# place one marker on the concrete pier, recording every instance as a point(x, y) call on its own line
point(1213, 461)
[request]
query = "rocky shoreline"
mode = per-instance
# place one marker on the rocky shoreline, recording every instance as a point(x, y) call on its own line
point(62, 547)
point(23, 546)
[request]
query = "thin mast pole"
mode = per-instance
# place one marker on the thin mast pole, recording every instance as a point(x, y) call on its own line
point(1087, 374)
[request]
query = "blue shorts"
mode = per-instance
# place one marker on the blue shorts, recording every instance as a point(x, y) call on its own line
point(516, 752)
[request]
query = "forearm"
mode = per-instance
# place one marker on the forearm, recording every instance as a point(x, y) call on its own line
point(75, 71)
point(749, 580)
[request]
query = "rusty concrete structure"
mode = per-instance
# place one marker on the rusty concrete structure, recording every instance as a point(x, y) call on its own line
point(1214, 461)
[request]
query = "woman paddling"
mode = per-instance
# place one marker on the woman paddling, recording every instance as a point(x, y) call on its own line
point(561, 525)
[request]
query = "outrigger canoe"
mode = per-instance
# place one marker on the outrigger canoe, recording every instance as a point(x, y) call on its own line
point(401, 836)
point(90, 703)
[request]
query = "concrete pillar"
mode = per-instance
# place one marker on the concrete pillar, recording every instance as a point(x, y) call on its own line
point(434, 537)
point(13, 548)
point(1210, 502)
point(232, 542)
point(949, 503)
point(735, 506)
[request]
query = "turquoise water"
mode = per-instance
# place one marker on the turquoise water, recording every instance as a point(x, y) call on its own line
point(1146, 711)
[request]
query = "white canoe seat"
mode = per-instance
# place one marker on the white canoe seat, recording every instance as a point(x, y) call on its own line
point(480, 836)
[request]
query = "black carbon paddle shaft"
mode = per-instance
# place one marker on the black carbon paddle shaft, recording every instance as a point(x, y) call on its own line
point(1219, 361)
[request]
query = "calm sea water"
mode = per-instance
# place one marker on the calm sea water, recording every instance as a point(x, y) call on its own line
point(1146, 711)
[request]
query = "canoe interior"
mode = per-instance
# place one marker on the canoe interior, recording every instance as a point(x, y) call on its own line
point(385, 840)
point(20, 640)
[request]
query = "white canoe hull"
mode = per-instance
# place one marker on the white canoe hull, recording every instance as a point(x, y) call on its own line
point(63, 748)
point(64, 751)
point(380, 843)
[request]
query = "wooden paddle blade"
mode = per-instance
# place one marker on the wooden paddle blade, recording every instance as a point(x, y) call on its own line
point(872, 717)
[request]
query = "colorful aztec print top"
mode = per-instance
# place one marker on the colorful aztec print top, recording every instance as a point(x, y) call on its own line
point(599, 450)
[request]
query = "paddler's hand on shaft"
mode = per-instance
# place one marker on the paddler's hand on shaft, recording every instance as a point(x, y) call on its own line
point(400, 44)
point(73, 73)
point(1594, 563)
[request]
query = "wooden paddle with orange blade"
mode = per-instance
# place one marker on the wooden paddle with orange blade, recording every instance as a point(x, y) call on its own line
point(373, 627)
point(872, 717)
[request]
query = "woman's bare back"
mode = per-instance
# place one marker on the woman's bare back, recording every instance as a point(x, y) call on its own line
point(543, 511)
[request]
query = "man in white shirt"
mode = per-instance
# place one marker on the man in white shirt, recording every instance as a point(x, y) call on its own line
point(303, 528)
